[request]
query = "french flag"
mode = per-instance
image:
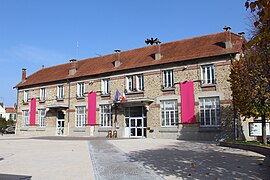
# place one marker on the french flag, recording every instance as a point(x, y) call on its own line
point(124, 97)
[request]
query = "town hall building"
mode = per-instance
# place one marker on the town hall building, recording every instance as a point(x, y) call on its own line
point(176, 90)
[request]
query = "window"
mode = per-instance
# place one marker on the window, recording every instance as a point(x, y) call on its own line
point(134, 83)
point(25, 96)
point(105, 88)
point(129, 83)
point(139, 83)
point(25, 117)
point(209, 111)
point(42, 94)
point(42, 117)
point(60, 92)
point(208, 74)
point(106, 115)
point(80, 89)
point(169, 113)
point(81, 116)
point(168, 79)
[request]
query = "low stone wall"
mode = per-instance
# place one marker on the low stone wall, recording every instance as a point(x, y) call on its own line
point(258, 149)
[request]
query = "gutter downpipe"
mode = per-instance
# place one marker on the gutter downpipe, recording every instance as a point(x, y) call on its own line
point(68, 103)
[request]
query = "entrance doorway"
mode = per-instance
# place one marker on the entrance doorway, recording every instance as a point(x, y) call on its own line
point(60, 123)
point(136, 121)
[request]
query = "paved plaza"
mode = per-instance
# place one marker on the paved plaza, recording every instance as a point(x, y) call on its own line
point(98, 158)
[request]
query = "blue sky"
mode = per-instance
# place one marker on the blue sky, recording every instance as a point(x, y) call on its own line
point(45, 32)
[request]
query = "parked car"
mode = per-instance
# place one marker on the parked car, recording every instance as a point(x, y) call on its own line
point(10, 130)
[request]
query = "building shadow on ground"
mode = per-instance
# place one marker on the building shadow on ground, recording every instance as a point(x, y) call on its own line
point(202, 163)
point(14, 177)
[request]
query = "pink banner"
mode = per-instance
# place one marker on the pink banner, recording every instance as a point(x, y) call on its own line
point(92, 107)
point(187, 102)
point(33, 111)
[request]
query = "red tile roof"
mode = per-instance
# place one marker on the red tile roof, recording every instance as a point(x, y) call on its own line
point(10, 110)
point(181, 50)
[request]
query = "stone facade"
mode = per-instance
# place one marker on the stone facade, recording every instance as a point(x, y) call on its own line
point(149, 99)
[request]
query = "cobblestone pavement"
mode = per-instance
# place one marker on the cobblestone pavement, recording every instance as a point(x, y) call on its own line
point(110, 163)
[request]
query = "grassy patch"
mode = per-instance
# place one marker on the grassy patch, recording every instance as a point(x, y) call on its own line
point(257, 143)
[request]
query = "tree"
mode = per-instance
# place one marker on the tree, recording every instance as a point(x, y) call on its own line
point(250, 76)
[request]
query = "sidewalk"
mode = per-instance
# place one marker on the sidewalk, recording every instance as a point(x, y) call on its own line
point(44, 159)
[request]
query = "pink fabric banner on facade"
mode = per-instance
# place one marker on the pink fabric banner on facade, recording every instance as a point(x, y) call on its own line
point(33, 111)
point(92, 107)
point(187, 102)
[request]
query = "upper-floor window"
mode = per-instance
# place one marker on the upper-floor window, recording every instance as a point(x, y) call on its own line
point(167, 76)
point(106, 115)
point(139, 83)
point(42, 117)
point(80, 116)
point(135, 83)
point(60, 92)
point(42, 94)
point(25, 117)
point(80, 89)
point(105, 86)
point(209, 111)
point(169, 113)
point(208, 74)
point(25, 96)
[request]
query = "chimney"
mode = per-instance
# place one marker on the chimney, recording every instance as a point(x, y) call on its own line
point(117, 62)
point(23, 74)
point(228, 41)
point(73, 66)
point(42, 67)
point(157, 53)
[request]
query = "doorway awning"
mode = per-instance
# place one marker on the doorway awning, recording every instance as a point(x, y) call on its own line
point(57, 106)
point(142, 100)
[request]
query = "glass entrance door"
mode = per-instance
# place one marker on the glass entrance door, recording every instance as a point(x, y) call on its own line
point(136, 127)
point(60, 123)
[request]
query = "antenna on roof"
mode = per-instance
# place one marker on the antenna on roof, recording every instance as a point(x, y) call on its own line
point(77, 50)
point(152, 41)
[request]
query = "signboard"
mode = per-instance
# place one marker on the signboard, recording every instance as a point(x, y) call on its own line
point(255, 128)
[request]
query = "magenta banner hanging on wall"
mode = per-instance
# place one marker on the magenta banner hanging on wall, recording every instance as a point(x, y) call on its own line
point(33, 111)
point(92, 101)
point(187, 102)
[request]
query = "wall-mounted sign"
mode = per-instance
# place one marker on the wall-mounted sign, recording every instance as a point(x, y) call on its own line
point(255, 128)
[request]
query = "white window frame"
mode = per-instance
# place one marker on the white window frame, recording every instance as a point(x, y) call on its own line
point(167, 121)
point(80, 116)
point(214, 103)
point(80, 89)
point(25, 117)
point(168, 78)
point(25, 96)
point(140, 83)
point(208, 74)
point(42, 117)
point(129, 83)
point(106, 116)
point(60, 92)
point(42, 94)
point(105, 86)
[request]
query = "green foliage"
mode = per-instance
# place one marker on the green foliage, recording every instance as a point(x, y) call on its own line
point(3, 123)
point(250, 76)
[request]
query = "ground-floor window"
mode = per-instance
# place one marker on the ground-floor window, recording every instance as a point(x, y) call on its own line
point(80, 116)
point(42, 117)
point(25, 117)
point(106, 115)
point(169, 113)
point(210, 111)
